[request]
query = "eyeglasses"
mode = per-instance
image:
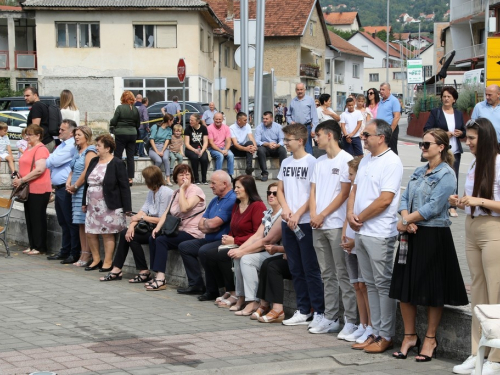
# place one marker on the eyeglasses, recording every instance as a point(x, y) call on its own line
point(269, 192)
point(287, 140)
point(371, 93)
point(366, 134)
point(471, 123)
point(426, 145)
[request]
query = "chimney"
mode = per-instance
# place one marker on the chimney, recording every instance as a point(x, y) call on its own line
point(230, 9)
point(373, 35)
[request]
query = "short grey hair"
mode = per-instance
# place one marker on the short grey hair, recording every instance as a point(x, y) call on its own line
point(383, 128)
point(386, 84)
point(299, 84)
point(223, 176)
point(72, 125)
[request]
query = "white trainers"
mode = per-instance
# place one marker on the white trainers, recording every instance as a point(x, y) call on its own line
point(356, 334)
point(368, 331)
point(317, 318)
point(297, 319)
point(466, 367)
point(489, 368)
point(326, 326)
point(349, 328)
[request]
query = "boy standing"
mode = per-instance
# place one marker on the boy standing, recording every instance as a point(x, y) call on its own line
point(5, 150)
point(351, 121)
point(293, 194)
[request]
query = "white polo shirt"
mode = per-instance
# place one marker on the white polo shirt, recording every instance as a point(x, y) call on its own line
point(350, 119)
point(241, 134)
point(375, 175)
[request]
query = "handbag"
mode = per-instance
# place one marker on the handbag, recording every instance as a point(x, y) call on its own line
point(143, 227)
point(171, 225)
point(21, 192)
point(489, 317)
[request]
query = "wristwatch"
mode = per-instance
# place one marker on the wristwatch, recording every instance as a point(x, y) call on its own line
point(405, 222)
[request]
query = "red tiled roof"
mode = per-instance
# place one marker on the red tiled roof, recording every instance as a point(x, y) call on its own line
point(376, 29)
point(402, 36)
point(340, 18)
point(6, 8)
point(345, 47)
point(406, 52)
point(380, 44)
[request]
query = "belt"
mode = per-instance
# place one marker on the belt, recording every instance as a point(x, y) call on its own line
point(57, 187)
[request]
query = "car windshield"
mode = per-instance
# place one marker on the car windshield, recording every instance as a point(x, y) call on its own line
point(4, 105)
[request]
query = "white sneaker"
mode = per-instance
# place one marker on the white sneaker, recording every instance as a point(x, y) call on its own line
point(297, 319)
point(356, 334)
point(466, 367)
point(362, 338)
point(489, 368)
point(326, 326)
point(349, 328)
point(317, 318)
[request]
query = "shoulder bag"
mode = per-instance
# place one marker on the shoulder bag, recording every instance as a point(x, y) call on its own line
point(143, 227)
point(171, 225)
point(22, 191)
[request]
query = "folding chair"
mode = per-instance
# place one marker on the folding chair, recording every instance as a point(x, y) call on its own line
point(483, 343)
point(7, 204)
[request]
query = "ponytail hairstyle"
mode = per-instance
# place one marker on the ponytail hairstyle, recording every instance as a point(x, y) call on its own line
point(442, 138)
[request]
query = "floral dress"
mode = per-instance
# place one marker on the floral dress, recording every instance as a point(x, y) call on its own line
point(100, 219)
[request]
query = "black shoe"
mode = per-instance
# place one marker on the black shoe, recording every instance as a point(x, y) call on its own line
point(249, 171)
point(93, 268)
point(191, 290)
point(57, 256)
point(69, 260)
point(264, 178)
point(106, 269)
point(208, 296)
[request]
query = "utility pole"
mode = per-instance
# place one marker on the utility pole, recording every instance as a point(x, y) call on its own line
point(387, 51)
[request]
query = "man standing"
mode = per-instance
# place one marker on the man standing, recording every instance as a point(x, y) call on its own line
point(303, 111)
point(269, 138)
point(215, 223)
point(59, 164)
point(174, 108)
point(490, 108)
point(237, 107)
point(389, 110)
point(39, 115)
point(144, 127)
point(219, 142)
point(372, 213)
point(138, 100)
point(243, 140)
point(330, 187)
point(208, 115)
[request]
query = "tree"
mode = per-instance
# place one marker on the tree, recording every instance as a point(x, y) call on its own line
point(343, 34)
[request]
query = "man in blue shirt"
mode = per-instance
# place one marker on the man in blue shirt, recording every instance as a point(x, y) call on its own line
point(269, 138)
point(303, 111)
point(490, 108)
point(174, 108)
point(214, 223)
point(208, 115)
point(59, 165)
point(389, 110)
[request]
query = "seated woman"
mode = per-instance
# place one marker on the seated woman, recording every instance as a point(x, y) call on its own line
point(246, 218)
point(188, 203)
point(156, 203)
point(248, 257)
point(159, 139)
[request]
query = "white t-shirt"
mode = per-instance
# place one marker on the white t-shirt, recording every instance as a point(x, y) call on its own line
point(328, 176)
point(296, 175)
point(375, 175)
point(450, 121)
point(241, 134)
point(321, 116)
point(469, 187)
point(4, 142)
point(350, 119)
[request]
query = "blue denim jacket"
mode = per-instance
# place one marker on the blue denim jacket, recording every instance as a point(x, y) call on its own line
point(428, 194)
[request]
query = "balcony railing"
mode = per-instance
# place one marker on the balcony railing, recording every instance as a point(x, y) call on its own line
point(26, 60)
point(469, 8)
point(338, 79)
point(307, 70)
point(4, 59)
point(469, 52)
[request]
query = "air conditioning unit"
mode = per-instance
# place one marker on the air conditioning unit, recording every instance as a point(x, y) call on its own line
point(26, 61)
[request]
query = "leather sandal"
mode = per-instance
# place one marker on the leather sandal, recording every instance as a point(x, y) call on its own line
point(141, 278)
point(273, 317)
point(401, 355)
point(224, 296)
point(261, 311)
point(112, 276)
point(157, 285)
point(229, 302)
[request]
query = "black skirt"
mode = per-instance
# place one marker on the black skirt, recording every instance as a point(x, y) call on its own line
point(431, 275)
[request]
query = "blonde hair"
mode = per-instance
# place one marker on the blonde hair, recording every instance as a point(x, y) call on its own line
point(177, 127)
point(354, 163)
point(86, 131)
point(3, 126)
point(67, 100)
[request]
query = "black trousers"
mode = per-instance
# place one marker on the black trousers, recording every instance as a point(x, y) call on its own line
point(393, 144)
point(263, 152)
point(161, 245)
point(247, 155)
point(137, 251)
point(127, 143)
point(221, 266)
point(195, 162)
point(271, 275)
point(35, 212)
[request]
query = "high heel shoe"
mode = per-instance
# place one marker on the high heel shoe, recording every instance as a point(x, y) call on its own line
point(426, 357)
point(93, 268)
point(400, 355)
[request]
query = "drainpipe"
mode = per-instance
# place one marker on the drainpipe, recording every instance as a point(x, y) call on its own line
point(332, 74)
point(220, 72)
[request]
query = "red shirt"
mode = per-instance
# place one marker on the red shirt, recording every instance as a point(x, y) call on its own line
point(246, 224)
point(42, 184)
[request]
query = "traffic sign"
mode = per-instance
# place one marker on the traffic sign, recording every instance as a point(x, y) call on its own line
point(181, 70)
point(493, 61)
point(415, 73)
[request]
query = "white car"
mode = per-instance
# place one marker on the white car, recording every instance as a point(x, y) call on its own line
point(17, 121)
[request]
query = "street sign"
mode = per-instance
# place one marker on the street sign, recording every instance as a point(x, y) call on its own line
point(415, 71)
point(181, 70)
point(493, 61)
point(251, 57)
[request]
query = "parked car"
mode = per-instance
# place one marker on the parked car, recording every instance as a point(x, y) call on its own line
point(17, 121)
point(154, 110)
point(19, 103)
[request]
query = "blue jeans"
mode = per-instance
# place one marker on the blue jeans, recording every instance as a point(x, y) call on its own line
point(219, 158)
point(309, 148)
point(304, 267)
point(160, 246)
point(159, 160)
point(142, 134)
point(70, 244)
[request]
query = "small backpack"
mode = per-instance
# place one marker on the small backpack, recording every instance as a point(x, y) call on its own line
point(55, 119)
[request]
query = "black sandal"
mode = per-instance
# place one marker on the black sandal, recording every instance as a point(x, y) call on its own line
point(141, 278)
point(157, 285)
point(112, 276)
point(400, 355)
point(426, 357)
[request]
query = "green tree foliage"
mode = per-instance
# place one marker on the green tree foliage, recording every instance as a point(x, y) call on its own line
point(5, 89)
point(343, 34)
point(13, 3)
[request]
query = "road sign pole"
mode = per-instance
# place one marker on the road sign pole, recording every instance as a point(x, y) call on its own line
point(181, 75)
point(183, 103)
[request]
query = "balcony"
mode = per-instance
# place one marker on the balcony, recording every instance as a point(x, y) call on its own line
point(4, 60)
point(338, 79)
point(469, 52)
point(25, 60)
point(309, 70)
point(466, 9)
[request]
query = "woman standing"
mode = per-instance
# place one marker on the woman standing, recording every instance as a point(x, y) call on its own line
point(32, 169)
point(106, 200)
point(69, 110)
point(481, 202)
point(373, 98)
point(160, 138)
point(79, 164)
point(325, 112)
point(126, 123)
point(196, 142)
point(452, 122)
point(426, 271)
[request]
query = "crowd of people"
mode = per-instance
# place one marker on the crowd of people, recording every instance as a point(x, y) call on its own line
point(330, 224)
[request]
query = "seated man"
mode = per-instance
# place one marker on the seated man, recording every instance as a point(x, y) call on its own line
point(219, 144)
point(243, 140)
point(269, 138)
point(214, 224)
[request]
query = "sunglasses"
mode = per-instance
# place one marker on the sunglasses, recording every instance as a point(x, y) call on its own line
point(366, 134)
point(426, 145)
point(471, 123)
point(371, 93)
point(269, 192)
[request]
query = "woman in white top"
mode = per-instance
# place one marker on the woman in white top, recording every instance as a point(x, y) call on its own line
point(325, 112)
point(481, 202)
point(69, 110)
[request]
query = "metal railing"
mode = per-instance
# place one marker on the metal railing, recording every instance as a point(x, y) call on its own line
point(307, 70)
point(26, 60)
point(466, 9)
point(469, 52)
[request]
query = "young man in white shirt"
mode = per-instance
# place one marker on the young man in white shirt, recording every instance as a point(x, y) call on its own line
point(372, 214)
point(293, 194)
point(243, 141)
point(330, 187)
point(350, 122)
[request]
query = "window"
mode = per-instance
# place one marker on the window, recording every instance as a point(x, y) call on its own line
point(427, 71)
point(156, 89)
point(235, 97)
point(77, 35)
point(205, 90)
point(155, 36)
point(373, 77)
point(398, 76)
point(202, 37)
point(22, 83)
point(226, 57)
point(226, 98)
point(311, 28)
point(209, 40)
point(355, 70)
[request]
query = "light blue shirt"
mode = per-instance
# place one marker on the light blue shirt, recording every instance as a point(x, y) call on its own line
point(387, 107)
point(172, 108)
point(303, 111)
point(484, 110)
point(59, 161)
point(270, 134)
point(208, 116)
point(160, 135)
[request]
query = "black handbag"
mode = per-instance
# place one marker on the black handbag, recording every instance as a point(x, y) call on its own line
point(171, 225)
point(143, 227)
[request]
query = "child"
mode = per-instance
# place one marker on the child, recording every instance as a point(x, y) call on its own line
point(176, 151)
point(5, 150)
point(351, 259)
point(22, 144)
point(350, 122)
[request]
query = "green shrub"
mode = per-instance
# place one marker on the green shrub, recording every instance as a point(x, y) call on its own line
point(467, 98)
